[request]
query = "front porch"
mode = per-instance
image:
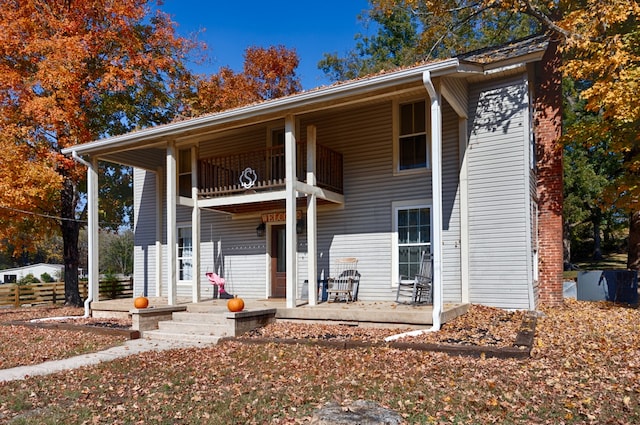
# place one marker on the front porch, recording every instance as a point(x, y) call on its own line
point(358, 313)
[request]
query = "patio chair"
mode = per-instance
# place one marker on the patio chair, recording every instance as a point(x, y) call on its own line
point(420, 289)
point(344, 286)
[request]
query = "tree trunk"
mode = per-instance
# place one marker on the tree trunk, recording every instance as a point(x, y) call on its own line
point(633, 256)
point(70, 232)
point(597, 240)
point(566, 245)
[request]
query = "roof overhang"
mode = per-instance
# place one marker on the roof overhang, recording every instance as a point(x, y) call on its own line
point(153, 139)
point(298, 103)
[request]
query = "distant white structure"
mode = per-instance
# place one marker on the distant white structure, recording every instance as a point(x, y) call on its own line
point(15, 274)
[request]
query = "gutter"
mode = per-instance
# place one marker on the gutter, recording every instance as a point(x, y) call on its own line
point(87, 302)
point(436, 175)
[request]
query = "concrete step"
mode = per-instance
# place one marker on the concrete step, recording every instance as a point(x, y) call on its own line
point(190, 338)
point(207, 318)
point(215, 306)
point(194, 328)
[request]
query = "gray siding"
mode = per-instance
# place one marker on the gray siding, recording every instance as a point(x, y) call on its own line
point(144, 226)
point(362, 228)
point(451, 275)
point(499, 190)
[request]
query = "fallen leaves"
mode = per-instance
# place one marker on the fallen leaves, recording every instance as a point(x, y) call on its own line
point(584, 370)
point(23, 346)
point(481, 326)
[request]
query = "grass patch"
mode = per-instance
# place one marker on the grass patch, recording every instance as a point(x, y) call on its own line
point(611, 261)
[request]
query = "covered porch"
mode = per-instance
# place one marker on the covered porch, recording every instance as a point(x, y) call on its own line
point(244, 185)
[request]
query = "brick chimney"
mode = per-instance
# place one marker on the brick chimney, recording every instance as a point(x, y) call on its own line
point(547, 130)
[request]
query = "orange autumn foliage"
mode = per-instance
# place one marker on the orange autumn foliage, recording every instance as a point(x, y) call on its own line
point(71, 72)
point(268, 73)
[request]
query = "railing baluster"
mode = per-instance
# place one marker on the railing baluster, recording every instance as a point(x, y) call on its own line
point(218, 176)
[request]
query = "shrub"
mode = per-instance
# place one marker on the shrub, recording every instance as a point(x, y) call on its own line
point(46, 277)
point(30, 278)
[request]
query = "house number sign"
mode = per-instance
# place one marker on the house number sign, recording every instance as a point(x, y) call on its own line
point(248, 178)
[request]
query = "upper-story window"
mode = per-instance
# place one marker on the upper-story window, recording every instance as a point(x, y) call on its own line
point(184, 173)
point(412, 152)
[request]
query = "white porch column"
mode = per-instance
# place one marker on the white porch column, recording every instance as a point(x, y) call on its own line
point(290, 197)
point(93, 230)
point(436, 187)
point(158, 264)
point(464, 210)
point(312, 227)
point(171, 223)
point(195, 226)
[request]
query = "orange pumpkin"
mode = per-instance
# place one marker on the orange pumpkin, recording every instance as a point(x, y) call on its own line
point(141, 302)
point(235, 304)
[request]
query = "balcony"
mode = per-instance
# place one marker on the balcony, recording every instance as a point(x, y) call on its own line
point(264, 170)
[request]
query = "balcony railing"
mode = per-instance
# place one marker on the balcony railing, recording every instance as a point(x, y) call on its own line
point(264, 170)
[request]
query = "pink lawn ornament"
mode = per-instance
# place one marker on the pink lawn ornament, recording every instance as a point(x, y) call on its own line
point(219, 282)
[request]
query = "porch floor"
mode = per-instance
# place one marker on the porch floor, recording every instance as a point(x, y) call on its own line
point(360, 313)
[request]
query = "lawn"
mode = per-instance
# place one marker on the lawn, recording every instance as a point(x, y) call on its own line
point(584, 369)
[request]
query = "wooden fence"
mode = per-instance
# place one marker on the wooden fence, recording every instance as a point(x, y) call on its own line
point(53, 293)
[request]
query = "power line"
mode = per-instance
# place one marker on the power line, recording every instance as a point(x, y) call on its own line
point(53, 217)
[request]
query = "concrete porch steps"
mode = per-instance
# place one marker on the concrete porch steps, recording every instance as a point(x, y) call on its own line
point(208, 324)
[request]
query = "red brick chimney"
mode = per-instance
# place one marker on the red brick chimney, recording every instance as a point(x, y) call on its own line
point(547, 130)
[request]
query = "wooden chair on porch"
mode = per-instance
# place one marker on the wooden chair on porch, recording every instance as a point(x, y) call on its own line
point(344, 286)
point(420, 289)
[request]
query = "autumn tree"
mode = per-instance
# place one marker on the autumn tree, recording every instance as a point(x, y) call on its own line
point(600, 43)
point(267, 73)
point(71, 72)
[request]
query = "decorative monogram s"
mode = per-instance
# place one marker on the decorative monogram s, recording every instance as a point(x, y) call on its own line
point(248, 178)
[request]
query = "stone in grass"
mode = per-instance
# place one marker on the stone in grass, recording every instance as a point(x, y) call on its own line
point(361, 412)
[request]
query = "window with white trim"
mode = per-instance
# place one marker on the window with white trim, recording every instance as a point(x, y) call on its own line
point(412, 148)
point(413, 227)
point(185, 253)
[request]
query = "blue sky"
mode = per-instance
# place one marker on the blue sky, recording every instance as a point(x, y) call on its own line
point(311, 27)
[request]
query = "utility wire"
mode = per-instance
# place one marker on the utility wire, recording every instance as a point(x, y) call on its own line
point(53, 217)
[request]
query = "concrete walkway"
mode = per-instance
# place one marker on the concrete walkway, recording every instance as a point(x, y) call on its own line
point(129, 348)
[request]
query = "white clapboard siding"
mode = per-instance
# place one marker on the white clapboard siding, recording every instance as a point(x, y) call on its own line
point(144, 227)
point(498, 194)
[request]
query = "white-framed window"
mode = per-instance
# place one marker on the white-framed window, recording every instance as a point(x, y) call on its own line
point(411, 148)
point(185, 254)
point(412, 237)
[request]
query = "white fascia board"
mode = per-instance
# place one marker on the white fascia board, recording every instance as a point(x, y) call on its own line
point(319, 192)
point(289, 104)
point(248, 198)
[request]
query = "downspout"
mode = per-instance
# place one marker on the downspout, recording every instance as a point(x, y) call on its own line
point(92, 208)
point(436, 185)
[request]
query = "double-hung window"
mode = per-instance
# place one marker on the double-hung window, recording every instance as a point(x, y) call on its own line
point(413, 227)
point(185, 254)
point(412, 147)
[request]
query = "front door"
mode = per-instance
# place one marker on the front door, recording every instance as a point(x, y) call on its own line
point(278, 262)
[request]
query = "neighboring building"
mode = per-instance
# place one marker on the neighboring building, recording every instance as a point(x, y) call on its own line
point(456, 157)
point(37, 270)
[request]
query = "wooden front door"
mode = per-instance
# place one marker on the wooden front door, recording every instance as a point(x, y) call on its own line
point(278, 262)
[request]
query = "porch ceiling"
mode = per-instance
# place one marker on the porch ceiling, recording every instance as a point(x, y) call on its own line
point(148, 158)
point(262, 207)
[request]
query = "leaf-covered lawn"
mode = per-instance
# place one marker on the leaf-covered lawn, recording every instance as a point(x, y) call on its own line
point(585, 369)
point(22, 346)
